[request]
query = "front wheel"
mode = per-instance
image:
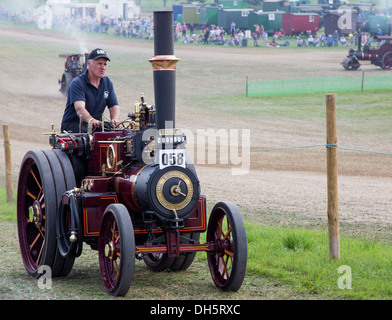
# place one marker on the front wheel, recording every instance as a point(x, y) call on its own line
point(116, 250)
point(227, 231)
point(65, 82)
point(351, 63)
point(160, 261)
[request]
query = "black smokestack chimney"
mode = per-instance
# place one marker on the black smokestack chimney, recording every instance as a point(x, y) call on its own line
point(164, 68)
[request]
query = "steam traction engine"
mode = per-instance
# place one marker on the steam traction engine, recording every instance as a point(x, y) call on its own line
point(381, 56)
point(75, 65)
point(130, 192)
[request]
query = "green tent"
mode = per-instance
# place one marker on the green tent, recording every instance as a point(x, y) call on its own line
point(234, 4)
point(239, 16)
point(209, 14)
point(191, 14)
point(271, 21)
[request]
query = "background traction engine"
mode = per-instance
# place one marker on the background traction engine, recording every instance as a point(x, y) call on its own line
point(130, 192)
point(75, 65)
point(381, 56)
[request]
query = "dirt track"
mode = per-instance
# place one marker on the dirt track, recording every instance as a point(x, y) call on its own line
point(286, 187)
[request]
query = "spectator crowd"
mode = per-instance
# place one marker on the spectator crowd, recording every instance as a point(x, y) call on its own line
point(142, 28)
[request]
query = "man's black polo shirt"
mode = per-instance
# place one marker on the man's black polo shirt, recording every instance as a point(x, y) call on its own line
point(81, 89)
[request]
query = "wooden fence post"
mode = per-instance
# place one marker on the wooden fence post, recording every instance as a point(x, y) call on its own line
point(246, 86)
point(8, 170)
point(332, 178)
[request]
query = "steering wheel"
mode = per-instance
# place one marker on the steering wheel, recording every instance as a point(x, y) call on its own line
point(127, 123)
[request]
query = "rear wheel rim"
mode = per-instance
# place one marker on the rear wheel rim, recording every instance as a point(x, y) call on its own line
point(42, 180)
point(34, 199)
point(33, 221)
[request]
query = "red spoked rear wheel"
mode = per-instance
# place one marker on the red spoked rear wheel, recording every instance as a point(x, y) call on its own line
point(44, 176)
point(228, 262)
point(116, 250)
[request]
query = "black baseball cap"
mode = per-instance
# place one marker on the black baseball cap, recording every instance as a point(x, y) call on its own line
point(98, 53)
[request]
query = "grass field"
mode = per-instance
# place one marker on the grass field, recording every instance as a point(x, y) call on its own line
point(282, 263)
point(321, 85)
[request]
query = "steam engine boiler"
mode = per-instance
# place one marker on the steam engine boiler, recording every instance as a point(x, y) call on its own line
point(381, 56)
point(130, 192)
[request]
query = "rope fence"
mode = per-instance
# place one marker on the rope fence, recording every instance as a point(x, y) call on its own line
point(322, 145)
point(332, 172)
point(301, 147)
point(317, 85)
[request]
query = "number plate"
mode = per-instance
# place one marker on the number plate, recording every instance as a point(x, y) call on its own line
point(171, 157)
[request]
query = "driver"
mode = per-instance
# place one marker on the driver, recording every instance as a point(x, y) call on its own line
point(88, 96)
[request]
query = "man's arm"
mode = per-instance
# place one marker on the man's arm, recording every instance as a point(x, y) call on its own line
point(80, 107)
point(114, 115)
